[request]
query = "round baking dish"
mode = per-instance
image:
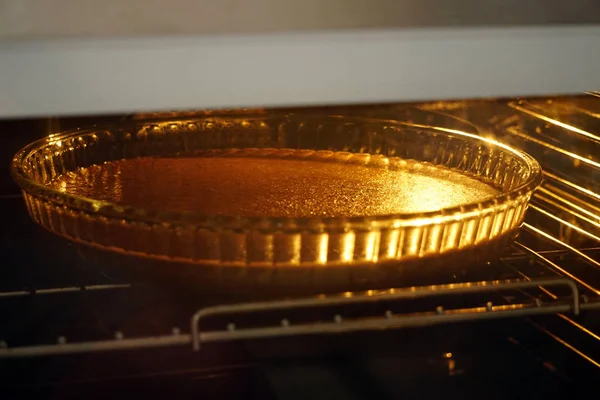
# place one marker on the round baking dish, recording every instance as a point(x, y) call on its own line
point(283, 254)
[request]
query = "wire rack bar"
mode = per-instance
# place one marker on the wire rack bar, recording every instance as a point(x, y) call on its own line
point(337, 324)
point(95, 346)
point(69, 289)
point(392, 294)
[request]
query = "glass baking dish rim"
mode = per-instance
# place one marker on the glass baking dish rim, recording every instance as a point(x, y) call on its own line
point(99, 208)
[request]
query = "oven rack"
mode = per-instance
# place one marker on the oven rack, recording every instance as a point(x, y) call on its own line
point(337, 324)
point(574, 303)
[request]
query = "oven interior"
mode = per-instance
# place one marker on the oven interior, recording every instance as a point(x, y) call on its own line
point(524, 326)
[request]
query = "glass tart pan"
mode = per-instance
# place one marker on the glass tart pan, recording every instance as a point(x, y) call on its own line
point(279, 204)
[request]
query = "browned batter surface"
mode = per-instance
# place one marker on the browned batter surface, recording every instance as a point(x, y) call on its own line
point(271, 187)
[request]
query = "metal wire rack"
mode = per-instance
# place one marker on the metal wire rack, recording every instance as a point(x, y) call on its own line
point(551, 269)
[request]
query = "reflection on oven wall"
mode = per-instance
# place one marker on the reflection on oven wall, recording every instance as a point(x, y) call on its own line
point(563, 134)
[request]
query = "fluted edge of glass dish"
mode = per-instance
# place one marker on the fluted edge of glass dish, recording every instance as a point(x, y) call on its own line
point(269, 242)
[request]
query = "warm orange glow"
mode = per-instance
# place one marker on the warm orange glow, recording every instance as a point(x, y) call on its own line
point(371, 246)
point(347, 253)
point(568, 206)
point(556, 122)
point(554, 148)
point(572, 185)
point(322, 249)
point(555, 266)
point(274, 187)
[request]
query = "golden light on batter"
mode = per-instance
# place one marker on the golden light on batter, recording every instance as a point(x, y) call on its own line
point(273, 187)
